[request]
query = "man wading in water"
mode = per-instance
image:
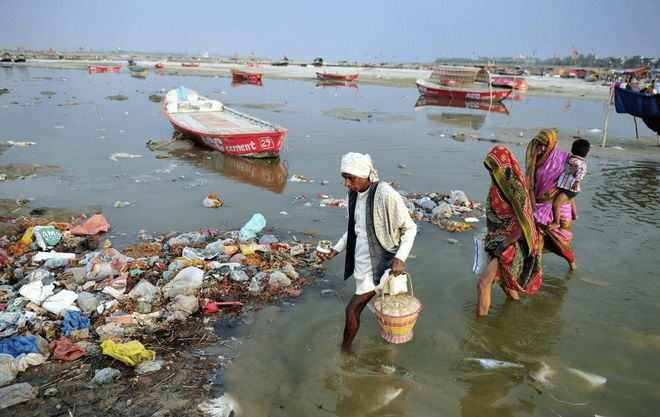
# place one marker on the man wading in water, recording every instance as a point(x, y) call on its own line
point(380, 235)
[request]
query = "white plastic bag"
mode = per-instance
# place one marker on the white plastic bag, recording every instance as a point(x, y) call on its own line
point(480, 254)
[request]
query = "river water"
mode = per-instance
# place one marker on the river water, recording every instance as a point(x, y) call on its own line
point(601, 319)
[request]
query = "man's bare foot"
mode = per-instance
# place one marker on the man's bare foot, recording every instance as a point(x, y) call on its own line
point(573, 266)
point(553, 225)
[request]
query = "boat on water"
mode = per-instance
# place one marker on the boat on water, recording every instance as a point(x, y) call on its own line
point(159, 65)
point(6, 58)
point(326, 76)
point(100, 68)
point(515, 83)
point(643, 105)
point(190, 64)
point(324, 84)
point(466, 83)
point(239, 75)
point(209, 123)
point(139, 72)
point(496, 107)
point(19, 58)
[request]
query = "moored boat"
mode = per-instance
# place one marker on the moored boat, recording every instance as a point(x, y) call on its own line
point(6, 58)
point(19, 58)
point(465, 83)
point(510, 82)
point(326, 76)
point(140, 72)
point(245, 75)
point(211, 124)
point(189, 64)
point(159, 65)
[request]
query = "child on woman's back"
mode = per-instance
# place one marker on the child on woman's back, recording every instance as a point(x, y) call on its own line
point(569, 181)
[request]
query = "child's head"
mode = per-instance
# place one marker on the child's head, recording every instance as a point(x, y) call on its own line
point(581, 147)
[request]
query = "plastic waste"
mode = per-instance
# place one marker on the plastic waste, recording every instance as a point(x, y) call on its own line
point(458, 198)
point(181, 307)
point(36, 291)
point(252, 227)
point(131, 353)
point(212, 200)
point(65, 350)
point(47, 236)
point(10, 323)
point(56, 263)
point(105, 375)
point(148, 366)
point(94, 225)
point(224, 406)
point(187, 281)
point(87, 302)
point(41, 256)
point(17, 345)
point(442, 211)
point(480, 254)
point(16, 394)
point(7, 374)
point(279, 278)
point(145, 290)
point(74, 321)
point(60, 301)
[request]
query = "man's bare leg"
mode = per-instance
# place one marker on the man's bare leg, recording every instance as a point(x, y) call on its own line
point(353, 311)
point(484, 286)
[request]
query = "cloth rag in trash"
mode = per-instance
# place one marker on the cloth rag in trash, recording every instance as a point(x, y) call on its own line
point(131, 353)
point(73, 320)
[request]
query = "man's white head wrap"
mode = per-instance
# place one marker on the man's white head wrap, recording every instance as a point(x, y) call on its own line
point(359, 165)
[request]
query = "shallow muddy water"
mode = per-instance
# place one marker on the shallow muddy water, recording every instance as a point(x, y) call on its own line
point(600, 319)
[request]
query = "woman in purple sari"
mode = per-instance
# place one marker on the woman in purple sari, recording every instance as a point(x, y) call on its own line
point(544, 164)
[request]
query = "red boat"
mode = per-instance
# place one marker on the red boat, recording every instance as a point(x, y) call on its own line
point(97, 68)
point(461, 104)
point(510, 82)
point(159, 65)
point(210, 123)
point(465, 83)
point(239, 75)
point(189, 64)
point(324, 76)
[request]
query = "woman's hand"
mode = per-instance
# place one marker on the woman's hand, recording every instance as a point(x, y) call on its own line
point(327, 256)
point(398, 266)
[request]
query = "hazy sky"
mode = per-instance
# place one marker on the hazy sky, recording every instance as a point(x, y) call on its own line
point(371, 30)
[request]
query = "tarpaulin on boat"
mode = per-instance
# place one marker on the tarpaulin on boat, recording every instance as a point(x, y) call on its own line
point(642, 105)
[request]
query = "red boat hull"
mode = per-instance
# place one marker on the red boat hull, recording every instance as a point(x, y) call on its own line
point(159, 65)
point(336, 77)
point(189, 64)
point(247, 76)
point(434, 90)
point(510, 82)
point(95, 69)
point(254, 145)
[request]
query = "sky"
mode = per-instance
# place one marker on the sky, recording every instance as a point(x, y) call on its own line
point(364, 31)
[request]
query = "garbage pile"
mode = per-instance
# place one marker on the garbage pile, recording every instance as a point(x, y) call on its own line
point(65, 293)
point(453, 212)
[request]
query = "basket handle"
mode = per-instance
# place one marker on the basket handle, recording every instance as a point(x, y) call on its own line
point(412, 291)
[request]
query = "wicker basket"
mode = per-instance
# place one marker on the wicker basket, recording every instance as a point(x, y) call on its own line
point(397, 315)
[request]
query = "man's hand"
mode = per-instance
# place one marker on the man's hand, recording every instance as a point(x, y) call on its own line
point(398, 266)
point(327, 256)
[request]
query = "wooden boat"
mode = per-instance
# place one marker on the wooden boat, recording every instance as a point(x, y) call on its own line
point(190, 64)
point(239, 75)
point(466, 83)
point(210, 123)
point(324, 84)
point(159, 65)
point(643, 105)
point(326, 76)
point(100, 68)
point(140, 72)
point(510, 82)
point(496, 107)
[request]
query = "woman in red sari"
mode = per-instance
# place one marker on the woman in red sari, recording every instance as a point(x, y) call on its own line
point(512, 239)
point(544, 163)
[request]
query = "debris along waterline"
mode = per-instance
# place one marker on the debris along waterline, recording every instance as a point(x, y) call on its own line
point(145, 305)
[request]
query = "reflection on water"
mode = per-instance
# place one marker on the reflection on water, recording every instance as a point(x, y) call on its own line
point(268, 173)
point(472, 116)
point(235, 82)
point(364, 385)
point(629, 190)
point(324, 84)
point(521, 333)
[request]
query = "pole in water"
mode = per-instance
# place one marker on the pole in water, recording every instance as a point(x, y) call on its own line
point(636, 131)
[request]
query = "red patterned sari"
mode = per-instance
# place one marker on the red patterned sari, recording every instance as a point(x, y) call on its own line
point(508, 209)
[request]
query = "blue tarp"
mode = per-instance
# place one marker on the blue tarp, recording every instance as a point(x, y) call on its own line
point(642, 105)
point(16, 345)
